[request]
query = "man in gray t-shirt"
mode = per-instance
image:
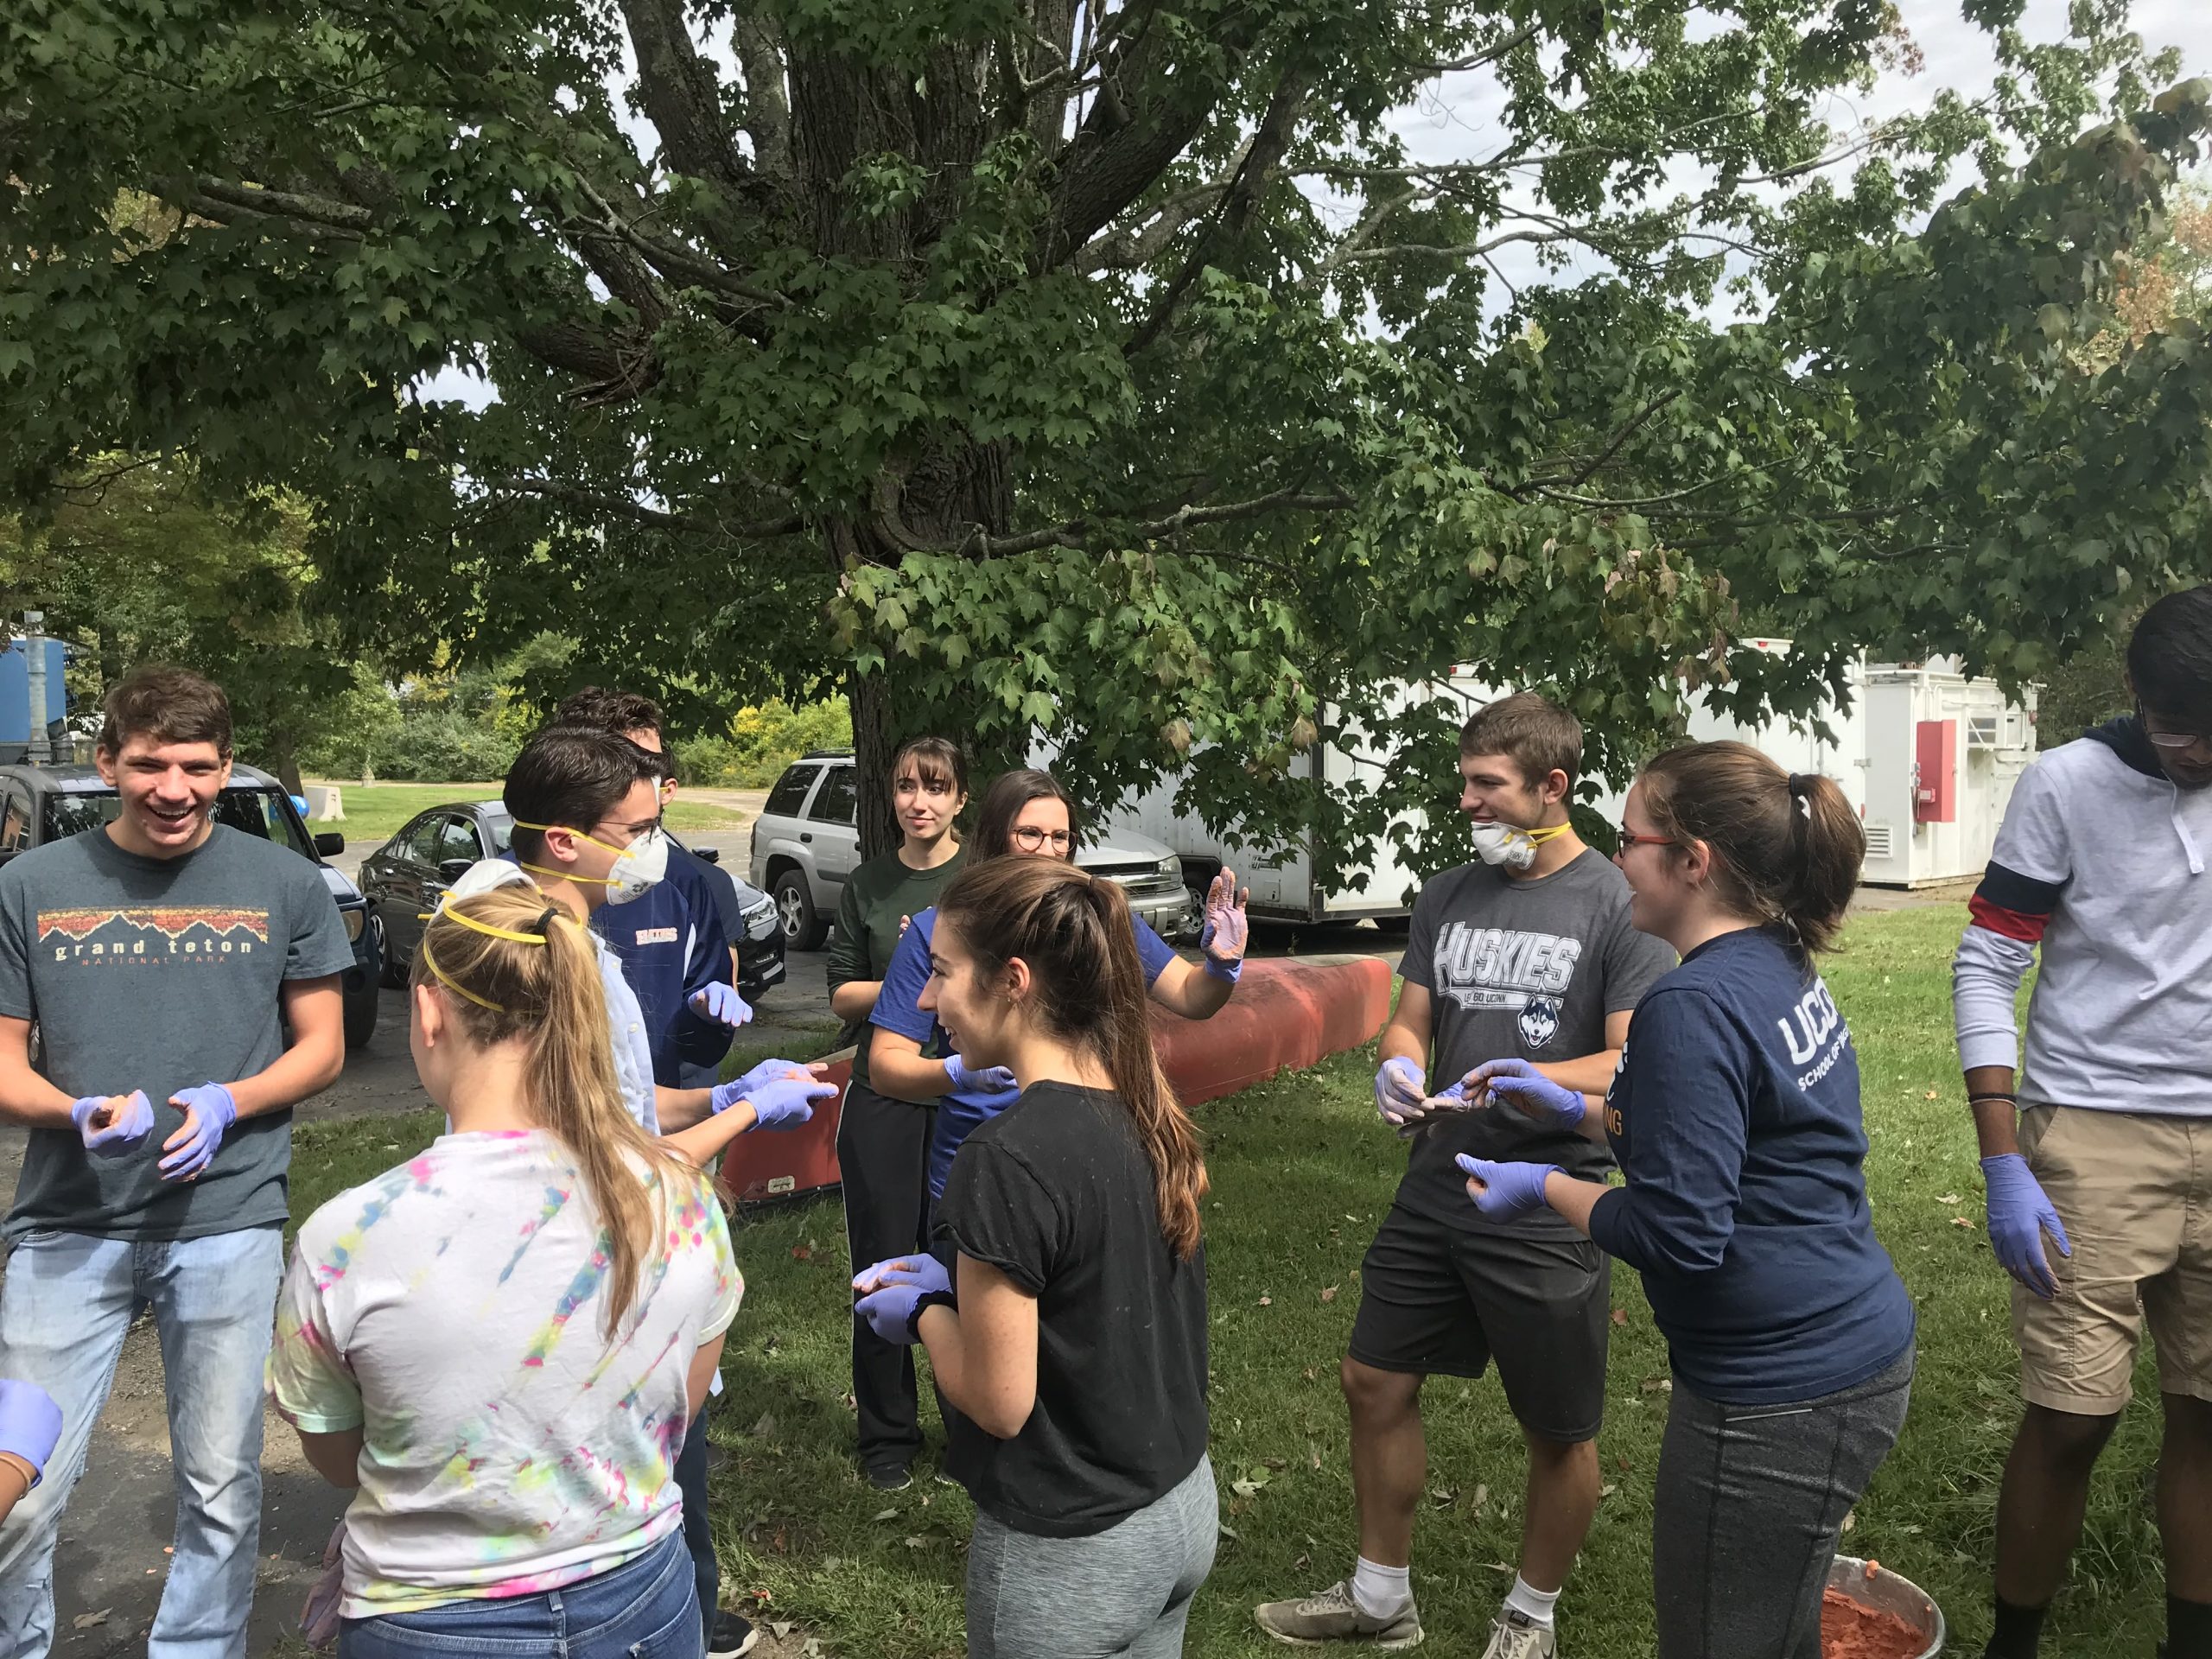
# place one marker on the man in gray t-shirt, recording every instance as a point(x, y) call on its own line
point(163, 960)
point(1529, 957)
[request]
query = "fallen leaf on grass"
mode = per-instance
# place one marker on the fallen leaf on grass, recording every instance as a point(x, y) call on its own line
point(1267, 1302)
point(1850, 1519)
point(802, 1253)
point(782, 1627)
point(1620, 1316)
point(1607, 1490)
point(1328, 1293)
point(765, 1428)
point(1947, 1197)
point(1966, 1222)
point(915, 1541)
point(885, 1515)
point(1930, 1094)
point(85, 1621)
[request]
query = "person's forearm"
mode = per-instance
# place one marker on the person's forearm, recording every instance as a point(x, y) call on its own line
point(856, 999)
point(1587, 1074)
point(336, 1457)
point(1398, 1042)
point(705, 1140)
point(28, 1099)
point(1996, 1118)
point(958, 1371)
point(679, 1109)
point(308, 1067)
point(912, 1077)
point(15, 1477)
point(1573, 1199)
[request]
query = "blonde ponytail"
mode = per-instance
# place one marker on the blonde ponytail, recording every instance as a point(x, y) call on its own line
point(518, 968)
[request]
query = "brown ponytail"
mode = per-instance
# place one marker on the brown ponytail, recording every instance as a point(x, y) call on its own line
point(1786, 847)
point(507, 985)
point(1076, 936)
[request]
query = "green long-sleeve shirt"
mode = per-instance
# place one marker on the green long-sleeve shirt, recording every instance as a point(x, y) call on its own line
point(877, 896)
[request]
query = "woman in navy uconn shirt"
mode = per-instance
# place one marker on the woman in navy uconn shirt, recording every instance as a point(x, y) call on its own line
point(1735, 1117)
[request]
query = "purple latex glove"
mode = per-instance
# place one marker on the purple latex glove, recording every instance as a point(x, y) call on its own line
point(898, 1292)
point(1227, 929)
point(2019, 1215)
point(963, 1078)
point(766, 1072)
point(784, 1103)
point(30, 1425)
point(319, 1617)
point(1519, 1084)
point(1501, 1192)
point(117, 1133)
point(721, 1004)
point(208, 1111)
point(1400, 1087)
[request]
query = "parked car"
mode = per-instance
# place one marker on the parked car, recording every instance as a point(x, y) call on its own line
point(43, 804)
point(806, 841)
point(404, 879)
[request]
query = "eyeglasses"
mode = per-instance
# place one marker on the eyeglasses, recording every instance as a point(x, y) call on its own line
point(2174, 742)
point(1030, 838)
point(1630, 838)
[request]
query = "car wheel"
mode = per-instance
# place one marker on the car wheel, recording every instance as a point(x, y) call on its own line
point(390, 973)
point(361, 1013)
point(804, 930)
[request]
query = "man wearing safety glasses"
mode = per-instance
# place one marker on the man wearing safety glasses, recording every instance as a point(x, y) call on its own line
point(2098, 1162)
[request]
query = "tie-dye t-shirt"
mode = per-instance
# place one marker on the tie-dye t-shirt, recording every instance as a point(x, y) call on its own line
point(453, 1309)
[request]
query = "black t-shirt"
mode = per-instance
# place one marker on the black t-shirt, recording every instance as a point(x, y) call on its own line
point(1057, 1193)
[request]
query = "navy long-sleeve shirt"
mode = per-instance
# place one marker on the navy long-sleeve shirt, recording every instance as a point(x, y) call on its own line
point(1735, 1116)
point(669, 954)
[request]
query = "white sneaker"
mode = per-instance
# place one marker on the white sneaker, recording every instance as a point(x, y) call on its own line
point(1514, 1635)
point(1333, 1615)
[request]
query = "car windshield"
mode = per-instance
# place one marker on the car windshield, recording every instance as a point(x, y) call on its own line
point(255, 812)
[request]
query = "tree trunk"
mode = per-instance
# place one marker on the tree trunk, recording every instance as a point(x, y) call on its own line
point(283, 758)
point(875, 741)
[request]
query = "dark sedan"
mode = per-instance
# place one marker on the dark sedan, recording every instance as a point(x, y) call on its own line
point(404, 879)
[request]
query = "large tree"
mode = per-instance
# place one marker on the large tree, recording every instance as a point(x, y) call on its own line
point(1110, 370)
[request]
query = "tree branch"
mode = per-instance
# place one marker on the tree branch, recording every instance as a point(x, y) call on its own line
point(1080, 532)
point(1623, 435)
point(637, 512)
point(1489, 54)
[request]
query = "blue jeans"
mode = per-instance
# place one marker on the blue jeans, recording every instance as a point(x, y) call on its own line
point(68, 1301)
point(645, 1609)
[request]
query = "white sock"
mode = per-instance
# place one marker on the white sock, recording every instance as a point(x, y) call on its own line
point(1536, 1603)
point(1379, 1591)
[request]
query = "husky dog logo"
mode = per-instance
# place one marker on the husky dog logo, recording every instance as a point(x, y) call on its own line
point(1539, 1021)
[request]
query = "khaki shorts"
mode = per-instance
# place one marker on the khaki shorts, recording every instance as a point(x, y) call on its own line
point(2135, 1193)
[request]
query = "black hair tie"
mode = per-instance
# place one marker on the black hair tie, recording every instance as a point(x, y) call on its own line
point(543, 925)
point(1801, 785)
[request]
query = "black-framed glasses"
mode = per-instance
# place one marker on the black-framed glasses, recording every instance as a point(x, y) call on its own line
point(1031, 839)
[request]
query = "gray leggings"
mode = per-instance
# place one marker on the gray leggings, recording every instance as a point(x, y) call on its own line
point(1750, 1503)
point(1126, 1590)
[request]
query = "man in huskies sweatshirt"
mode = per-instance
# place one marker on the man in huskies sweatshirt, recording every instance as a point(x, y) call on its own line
point(2100, 1163)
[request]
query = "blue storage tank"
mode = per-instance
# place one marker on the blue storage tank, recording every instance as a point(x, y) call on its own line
point(16, 699)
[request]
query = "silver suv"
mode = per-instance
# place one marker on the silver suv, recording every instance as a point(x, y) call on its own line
point(807, 840)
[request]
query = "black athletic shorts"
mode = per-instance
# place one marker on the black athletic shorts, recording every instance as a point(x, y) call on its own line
point(1434, 1299)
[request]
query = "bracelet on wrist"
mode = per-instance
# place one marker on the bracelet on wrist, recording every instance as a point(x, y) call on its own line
point(1976, 1100)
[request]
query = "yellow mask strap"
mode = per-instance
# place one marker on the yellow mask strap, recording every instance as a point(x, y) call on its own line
point(567, 875)
point(431, 963)
point(489, 931)
point(1549, 832)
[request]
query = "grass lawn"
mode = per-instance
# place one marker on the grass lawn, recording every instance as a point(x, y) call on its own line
point(1302, 1172)
point(374, 814)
